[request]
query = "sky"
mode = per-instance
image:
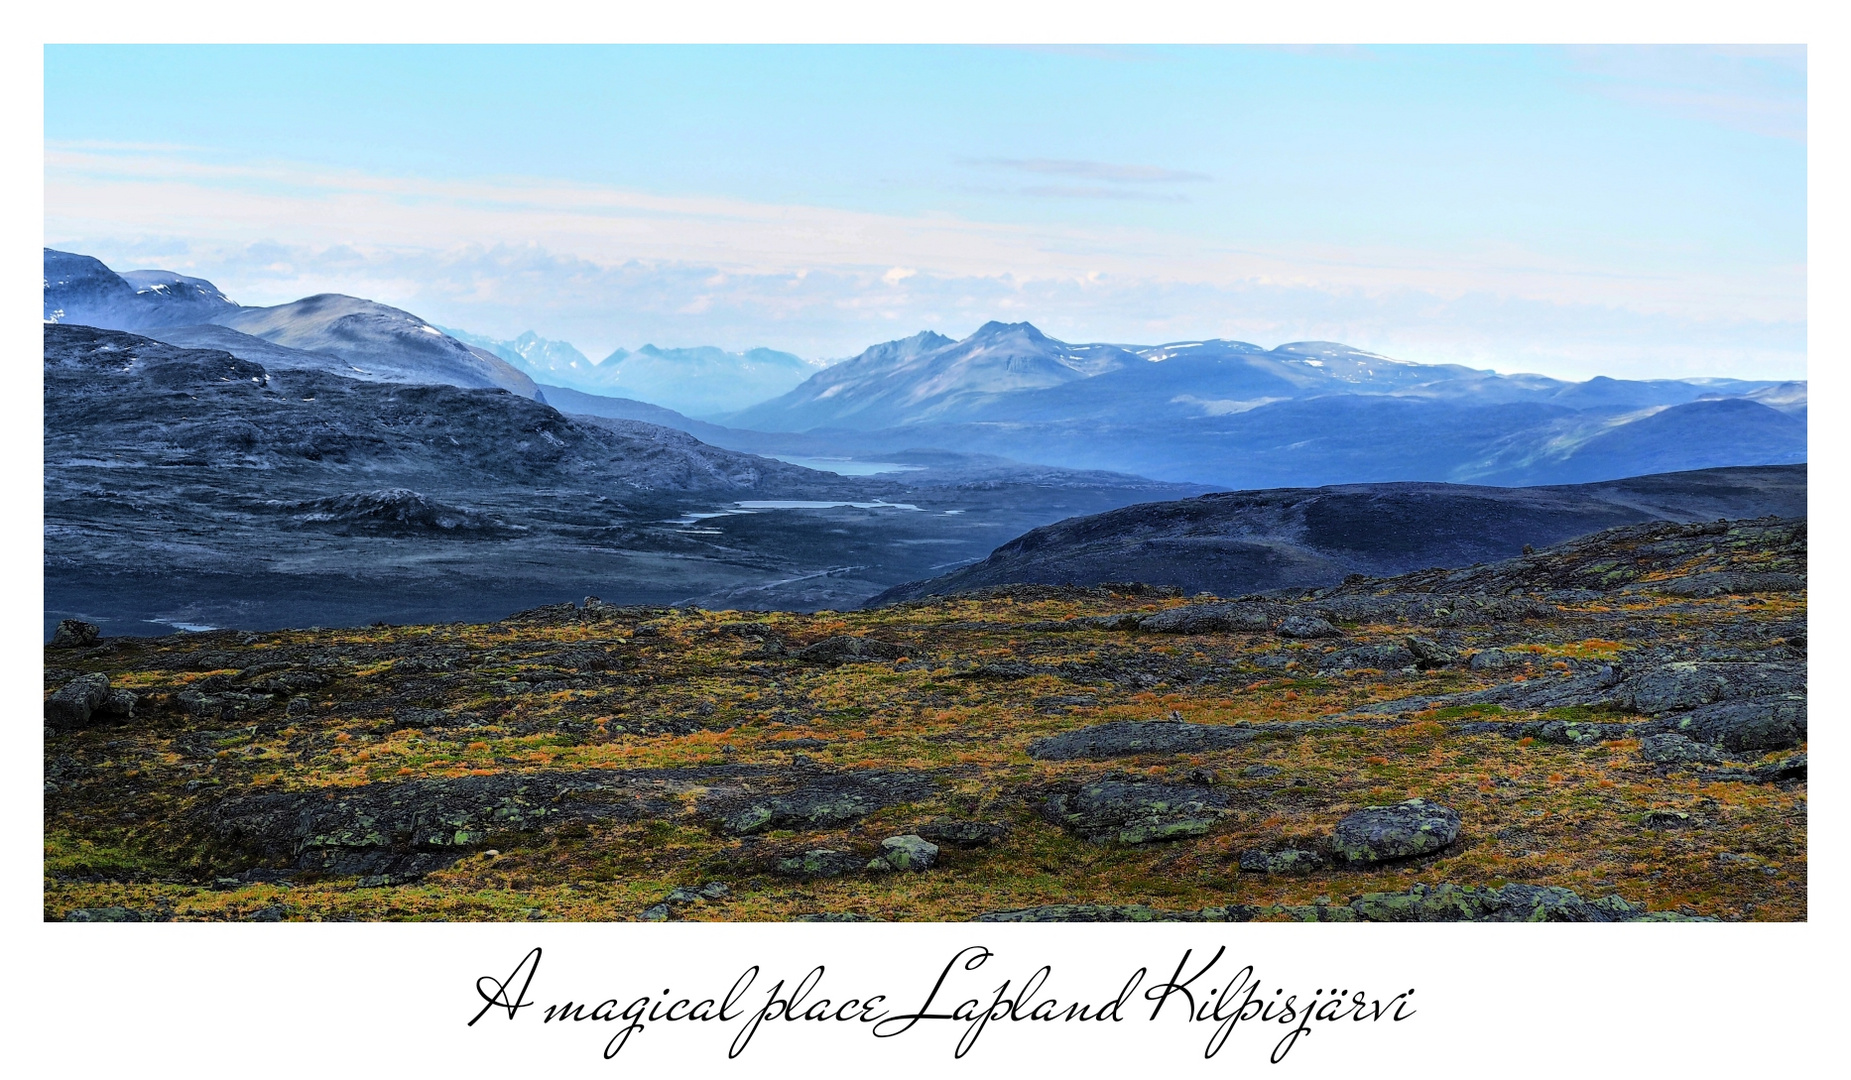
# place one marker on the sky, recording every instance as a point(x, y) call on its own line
point(1626, 211)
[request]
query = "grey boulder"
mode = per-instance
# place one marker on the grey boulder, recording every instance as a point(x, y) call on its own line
point(1136, 811)
point(1691, 683)
point(1674, 749)
point(77, 701)
point(1757, 724)
point(1288, 861)
point(1307, 626)
point(905, 853)
point(1382, 834)
point(1122, 738)
point(75, 633)
point(1207, 619)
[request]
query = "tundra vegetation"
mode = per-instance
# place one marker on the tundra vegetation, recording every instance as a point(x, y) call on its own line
point(1611, 728)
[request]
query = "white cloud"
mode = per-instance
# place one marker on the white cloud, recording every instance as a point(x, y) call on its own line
point(603, 267)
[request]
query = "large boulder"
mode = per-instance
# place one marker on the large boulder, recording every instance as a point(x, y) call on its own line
point(1379, 657)
point(1691, 683)
point(823, 802)
point(905, 853)
point(1288, 861)
point(1207, 619)
point(77, 701)
point(75, 633)
point(1122, 738)
point(1307, 626)
point(846, 649)
point(1382, 834)
point(1429, 654)
point(1674, 749)
point(1136, 811)
point(1757, 724)
point(1497, 660)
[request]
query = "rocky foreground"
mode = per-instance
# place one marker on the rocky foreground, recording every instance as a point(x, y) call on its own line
point(1613, 729)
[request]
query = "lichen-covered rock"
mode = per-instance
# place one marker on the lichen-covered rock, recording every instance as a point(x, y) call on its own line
point(681, 897)
point(1428, 654)
point(1457, 903)
point(74, 634)
point(1287, 861)
point(1674, 749)
point(1207, 619)
point(1136, 811)
point(820, 863)
point(1569, 689)
point(1496, 660)
point(411, 828)
point(1572, 733)
point(194, 703)
point(905, 853)
point(1117, 913)
point(1307, 626)
point(1122, 738)
point(1406, 830)
point(821, 803)
point(76, 701)
point(119, 705)
point(107, 914)
point(1750, 726)
point(1726, 582)
point(1692, 683)
point(1379, 657)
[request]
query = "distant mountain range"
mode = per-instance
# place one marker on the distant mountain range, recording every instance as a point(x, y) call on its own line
point(338, 460)
point(1229, 414)
point(1233, 414)
point(703, 381)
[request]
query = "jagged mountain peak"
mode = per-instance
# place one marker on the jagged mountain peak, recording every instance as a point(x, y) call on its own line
point(995, 329)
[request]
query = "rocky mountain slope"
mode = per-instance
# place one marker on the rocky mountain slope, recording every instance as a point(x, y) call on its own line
point(193, 487)
point(344, 335)
point(1250, 541)
point(1610, 730)
point(377, 341)
point(80, 289)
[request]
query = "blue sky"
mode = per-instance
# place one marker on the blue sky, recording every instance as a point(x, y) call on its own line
point(1627, 211)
